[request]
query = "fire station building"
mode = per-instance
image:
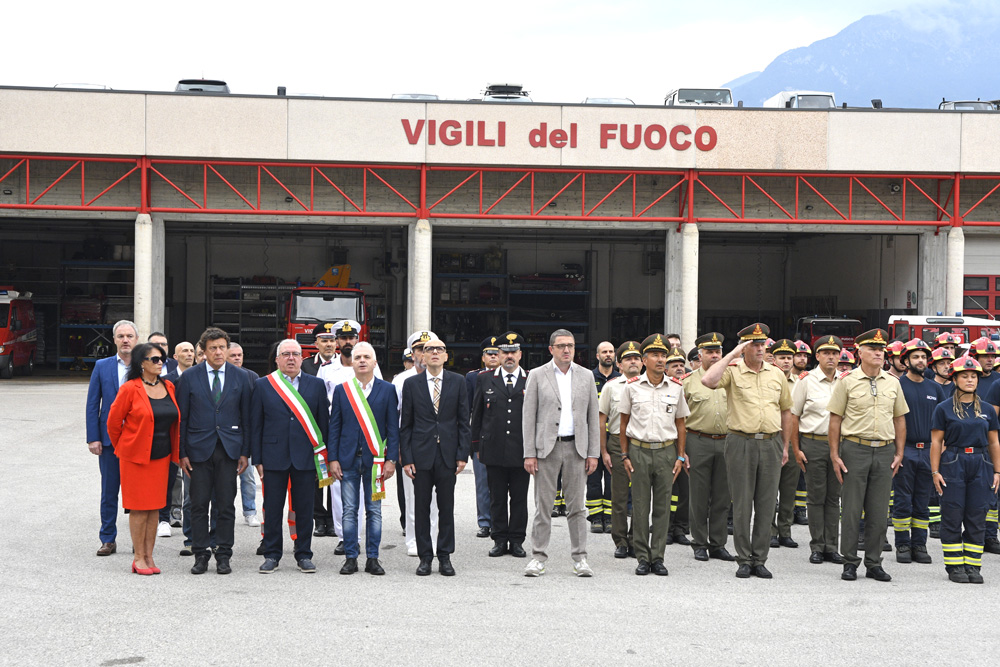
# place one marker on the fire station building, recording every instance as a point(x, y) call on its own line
point(182, 210)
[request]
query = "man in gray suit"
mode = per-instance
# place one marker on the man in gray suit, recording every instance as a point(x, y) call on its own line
point(561, 432)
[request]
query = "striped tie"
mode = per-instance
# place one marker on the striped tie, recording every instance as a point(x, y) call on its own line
point(216, 387)
point(437, 394)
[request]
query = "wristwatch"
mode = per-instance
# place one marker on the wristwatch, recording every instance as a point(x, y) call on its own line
point(681, 459)
point(624, 456)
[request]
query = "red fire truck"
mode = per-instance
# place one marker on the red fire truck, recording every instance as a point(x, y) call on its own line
point(907, 327)
point(811, 329)
point(18, 335)
point(309, 306)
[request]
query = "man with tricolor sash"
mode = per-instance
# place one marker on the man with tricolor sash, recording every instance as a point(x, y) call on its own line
point(289, 416)
point(364, 443)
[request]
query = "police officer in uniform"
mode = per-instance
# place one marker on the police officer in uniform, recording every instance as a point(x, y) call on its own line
point(490, 361)
point(912, 485)
point(705, 449)
point(599, 481)
point(759, 423)
point(497, 441)
point(784, 351)
point(629, 357)
point(652, 441)
point(810, 425)
point(867, 434)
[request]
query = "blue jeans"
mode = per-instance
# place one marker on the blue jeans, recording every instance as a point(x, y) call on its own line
point(359, 476)
point(248, 491)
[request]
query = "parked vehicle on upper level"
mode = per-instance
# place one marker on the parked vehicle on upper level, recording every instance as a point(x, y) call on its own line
point(699, 97)
point(505, 92)
point(609, 100)
point(202, 86)
point(965, 105)
point(414, 96)
point(801, 99)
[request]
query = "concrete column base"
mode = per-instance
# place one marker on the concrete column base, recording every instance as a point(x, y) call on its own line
point(148, 296)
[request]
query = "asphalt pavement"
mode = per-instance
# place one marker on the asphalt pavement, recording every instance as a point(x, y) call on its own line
point(61, 604)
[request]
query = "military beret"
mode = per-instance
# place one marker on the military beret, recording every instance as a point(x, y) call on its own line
point(654, 342)
point(756, 331)
point(629, 348)
point(782, 346)
point(876, 337)
point(710, 340)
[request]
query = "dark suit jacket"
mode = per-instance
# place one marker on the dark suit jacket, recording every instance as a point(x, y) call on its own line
point(277, 440)
point(203, 422)
point(312, 364)
point(422, 433)
point(346, 437)
point(100, 395)
point(253, 377)
point(170, 365)
point(496, 419)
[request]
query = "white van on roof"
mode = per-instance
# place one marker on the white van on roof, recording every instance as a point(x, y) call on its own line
point(699, 97)
point(801, 99)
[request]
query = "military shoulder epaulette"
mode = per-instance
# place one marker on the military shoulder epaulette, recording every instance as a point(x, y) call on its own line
point(487, 370)
point(803, 374)
point(677, 380)
point(631, 380)
point(734, 363)
point(685, 376)
point(843, 375)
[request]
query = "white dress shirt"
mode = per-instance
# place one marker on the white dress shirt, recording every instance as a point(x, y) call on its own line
point(564, 381)
point(211, 375)
point(122, 371)
point(430, 383)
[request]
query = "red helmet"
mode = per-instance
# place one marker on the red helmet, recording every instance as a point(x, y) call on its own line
point(941, 353)
point(983, 346)
point(895, 348)
point(948, 338)
point(915, 344)
point(800, 346)
point(846, 357)
point(966, 363)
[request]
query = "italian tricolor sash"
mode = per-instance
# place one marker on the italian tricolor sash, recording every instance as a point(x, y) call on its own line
point(298, 406)
point(376, 445)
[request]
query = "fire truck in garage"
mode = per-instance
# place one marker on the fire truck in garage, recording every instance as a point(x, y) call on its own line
point(907, 327)
point(18, 336)
point(309, 306)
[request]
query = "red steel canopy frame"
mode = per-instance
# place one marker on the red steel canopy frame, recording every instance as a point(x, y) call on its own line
point(727, 193)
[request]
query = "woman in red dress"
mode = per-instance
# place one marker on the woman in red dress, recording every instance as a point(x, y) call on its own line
point(144, 427)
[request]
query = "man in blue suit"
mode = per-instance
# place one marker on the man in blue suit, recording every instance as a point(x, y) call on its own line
point(214, 399)
point(108, 375)
point(351, 458)
point(281, 434)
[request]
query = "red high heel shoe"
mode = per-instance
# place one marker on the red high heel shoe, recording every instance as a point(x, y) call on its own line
point(140, 570)
point(154, 569)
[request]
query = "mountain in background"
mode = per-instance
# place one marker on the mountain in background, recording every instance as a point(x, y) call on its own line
point(908, 58)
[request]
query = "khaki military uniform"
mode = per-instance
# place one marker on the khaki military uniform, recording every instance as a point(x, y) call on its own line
point(788, 482)
point(706, 448)
point(621, 532)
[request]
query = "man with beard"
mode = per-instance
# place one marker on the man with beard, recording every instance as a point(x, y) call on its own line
point(894, 351)
point(599, 481)
point(800, 360)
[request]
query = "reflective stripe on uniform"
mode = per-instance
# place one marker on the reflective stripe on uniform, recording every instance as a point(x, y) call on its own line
point(902, 525)
point(954, 554)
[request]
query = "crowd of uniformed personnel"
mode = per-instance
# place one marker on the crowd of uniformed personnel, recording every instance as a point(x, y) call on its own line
point(743, 443)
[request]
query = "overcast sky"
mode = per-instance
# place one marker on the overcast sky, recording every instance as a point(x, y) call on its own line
point(561, 51)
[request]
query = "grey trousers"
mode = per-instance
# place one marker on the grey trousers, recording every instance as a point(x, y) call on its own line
point(709, 508)
point(788, 482)
point(563, 457)
point(867, 485)
point(652, 482)
point(621, 531)
point(753, 467)
point(822, 495)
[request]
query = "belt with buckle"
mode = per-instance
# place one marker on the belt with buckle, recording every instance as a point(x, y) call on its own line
point(971, 450)
point(710, 436)
point(650, 445)
point(866, 442)
point(918, 445)
point(814, 436)
point(755, 436)
point(565, 438)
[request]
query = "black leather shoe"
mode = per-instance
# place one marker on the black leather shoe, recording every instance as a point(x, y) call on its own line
point(934, 530)
point(330, 530)
point(681, 538)
point(762, 572)
point(187, 550)
point(975, 577)
point(659, 568)
point(800, 517)
point(743, 571)
point(957, 574)
point(499, 549)
point(903, 554)
point(445, 567)
point(201, 563)
point(670, 536)
point(372, 566)
point(596, 527)
point(774, 542)
point(350, 566)
point(320, 528)
point(555, 512)
point(484, 531)
point(788, 542)
point(816, 558)
point(222, 565)
point(516, 550)
point(721, 554)
point(885, 545)
point(850, 572)
point(833, 557)
point(920, 554)
point(339, 550)
point(878, 574)
point(642, 569)
point(701, 553)
point(621, 552)
point(631, 551)
point(992, 545)
point(260, 548)
point(424, 568)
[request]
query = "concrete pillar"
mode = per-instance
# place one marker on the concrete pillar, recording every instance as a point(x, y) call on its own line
point(150, 255)
point(689, 296)
point(933, 276)
point(673, 292)
point(956, 271)
point(418, 277)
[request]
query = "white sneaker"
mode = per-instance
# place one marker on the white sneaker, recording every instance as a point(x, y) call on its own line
point(535, 568)
point(411, 551)
point(252, 521)
point(163, 529)
point(582, 569)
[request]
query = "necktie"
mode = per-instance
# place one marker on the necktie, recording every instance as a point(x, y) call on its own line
point(510, 380)
point(216, 386)
point(437, 394)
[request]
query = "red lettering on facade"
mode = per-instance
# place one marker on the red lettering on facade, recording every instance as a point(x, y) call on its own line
point(572, 135)
point(501, 133)
point(413, 134)
point(674, 142)
point(432, 132)
point(558, 138)
point(481, 139)
point(705, 138)
point(608, 132)
point(537, 137)
point(660, 141)
point(631, 145)
point(468, 132)
point(453, 137)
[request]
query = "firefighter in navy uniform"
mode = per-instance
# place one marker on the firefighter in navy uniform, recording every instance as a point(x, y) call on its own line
point(985, 352)
point(965, 464)
point(893, 353)
point(490, 361)
point(940, 373)
point(783, 352)
point(912, 485)
point(498, 442)
point(599, 481)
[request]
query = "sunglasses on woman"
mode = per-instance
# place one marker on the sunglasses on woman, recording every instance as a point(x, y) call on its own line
point(154, 360)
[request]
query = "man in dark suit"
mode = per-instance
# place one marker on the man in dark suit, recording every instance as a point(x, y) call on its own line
point(497, 441)
point(351, 458)
point(281, 444)
point(214, 400)
point(490, 360)
point(169, 365)
point(108, 375)
point(434, 447)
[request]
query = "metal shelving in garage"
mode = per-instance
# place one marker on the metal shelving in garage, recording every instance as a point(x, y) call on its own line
point(253, 314)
